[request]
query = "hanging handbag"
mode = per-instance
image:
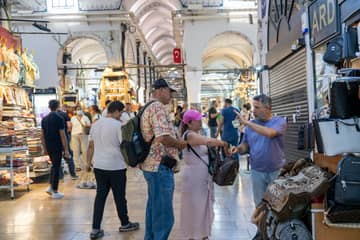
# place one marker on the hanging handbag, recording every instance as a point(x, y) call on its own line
point(344, 97)
point(337, 136)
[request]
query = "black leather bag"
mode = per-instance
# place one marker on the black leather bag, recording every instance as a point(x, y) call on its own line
point(226, 171)
point(347, 183)
point(344, 97)
point(334, 51)
point(168, 161)
point(339, 213)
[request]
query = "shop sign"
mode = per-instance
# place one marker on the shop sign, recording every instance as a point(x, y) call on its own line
point(323, 20)
point(177, 55)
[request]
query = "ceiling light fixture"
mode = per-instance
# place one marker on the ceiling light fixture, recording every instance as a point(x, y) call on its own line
point(41, 27)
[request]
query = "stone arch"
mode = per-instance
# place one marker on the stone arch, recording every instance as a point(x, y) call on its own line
point(233, 45)
point(76, 36)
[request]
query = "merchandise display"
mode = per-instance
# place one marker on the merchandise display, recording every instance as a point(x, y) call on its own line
point(14, 168)
point(114, 86)
point(19, 138)
point(17, 66)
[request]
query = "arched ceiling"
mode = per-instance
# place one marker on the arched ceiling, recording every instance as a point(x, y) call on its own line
point(155, 22)
point(88, 50)
point(228, 50)
point(229, 46)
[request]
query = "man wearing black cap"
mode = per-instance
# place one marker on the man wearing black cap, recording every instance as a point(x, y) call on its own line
point(158, 167)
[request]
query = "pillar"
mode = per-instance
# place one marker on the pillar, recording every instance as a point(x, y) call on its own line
point(193, 83)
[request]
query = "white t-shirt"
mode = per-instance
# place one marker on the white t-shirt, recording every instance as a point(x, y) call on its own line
point(106, 134)
point(77, 128)
point(125, 117)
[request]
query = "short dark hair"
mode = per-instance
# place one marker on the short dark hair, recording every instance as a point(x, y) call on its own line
point(228, 100)
point(107, 102)
point(264, 99)
point(247, 106)
point(54, 104)
point(115, 106)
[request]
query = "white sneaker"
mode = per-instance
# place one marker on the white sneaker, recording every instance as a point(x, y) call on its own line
point(49, 190)
point(57, 195)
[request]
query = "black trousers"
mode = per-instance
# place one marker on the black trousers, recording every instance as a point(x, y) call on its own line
point(116, 180)
point(55, 158)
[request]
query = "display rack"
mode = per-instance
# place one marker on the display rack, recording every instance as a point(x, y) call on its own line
point(12, 169)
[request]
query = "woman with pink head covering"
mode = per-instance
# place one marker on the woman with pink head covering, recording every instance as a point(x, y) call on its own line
point(197, 196)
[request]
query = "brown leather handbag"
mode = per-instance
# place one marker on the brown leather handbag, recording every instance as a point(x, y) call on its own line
point(225, 171)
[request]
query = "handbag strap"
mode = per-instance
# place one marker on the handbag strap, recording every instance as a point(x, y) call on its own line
point(80, 122)
point(355, 124)
point(193, 150)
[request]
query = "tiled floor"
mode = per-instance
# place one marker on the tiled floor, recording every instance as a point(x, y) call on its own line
point(35, 216)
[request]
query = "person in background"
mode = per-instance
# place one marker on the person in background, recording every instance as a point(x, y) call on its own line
point(109, 168)
point(54, 143)
point(197, 195)
point(155, 124)
point(79, 137)
point(127, 114)
point(229, 134)
point(177, 115)
point(212, 123)
point(104, 112)
point(95, 113)
point(246, 113)
point(69, 161)
point(264, 137)
point(87, 112)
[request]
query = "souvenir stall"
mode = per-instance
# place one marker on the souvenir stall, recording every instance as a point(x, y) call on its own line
point(19, 138)
point(336, 119)
point(115, 85)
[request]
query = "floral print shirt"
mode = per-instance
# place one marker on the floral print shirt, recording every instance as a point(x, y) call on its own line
point(155, 121)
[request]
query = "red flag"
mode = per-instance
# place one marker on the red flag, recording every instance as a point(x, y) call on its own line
point(177, 55)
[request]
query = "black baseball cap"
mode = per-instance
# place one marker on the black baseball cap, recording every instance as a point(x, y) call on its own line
point(162, 83)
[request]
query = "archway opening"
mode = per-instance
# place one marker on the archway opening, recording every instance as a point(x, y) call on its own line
point(227, 64)
point(79, 59)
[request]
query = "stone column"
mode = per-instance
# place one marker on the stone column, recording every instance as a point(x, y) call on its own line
point(193, 83)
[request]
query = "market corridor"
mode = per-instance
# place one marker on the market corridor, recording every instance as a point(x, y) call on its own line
point(36, 216)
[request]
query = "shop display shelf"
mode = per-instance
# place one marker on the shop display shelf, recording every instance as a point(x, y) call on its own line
point(12, 169)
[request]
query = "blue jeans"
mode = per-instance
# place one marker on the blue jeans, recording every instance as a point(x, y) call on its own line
point(213, 131)
point(159, 208)
point(260, 181)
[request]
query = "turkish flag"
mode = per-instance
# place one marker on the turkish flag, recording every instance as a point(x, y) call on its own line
point(177, 55)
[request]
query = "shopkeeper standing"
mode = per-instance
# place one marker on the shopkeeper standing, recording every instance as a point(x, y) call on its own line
point(54, 144)
point(79, 137)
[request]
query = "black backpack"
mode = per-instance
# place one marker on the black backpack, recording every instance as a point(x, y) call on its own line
point(334, 51)
point(133, 147)
point(347, 183)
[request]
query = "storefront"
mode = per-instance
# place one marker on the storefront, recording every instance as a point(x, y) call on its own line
point(334, 31)
point(286, 59)
point(20, 146)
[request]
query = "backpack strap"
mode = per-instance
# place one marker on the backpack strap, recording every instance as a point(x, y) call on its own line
point(139, 115)
point(193, 150)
